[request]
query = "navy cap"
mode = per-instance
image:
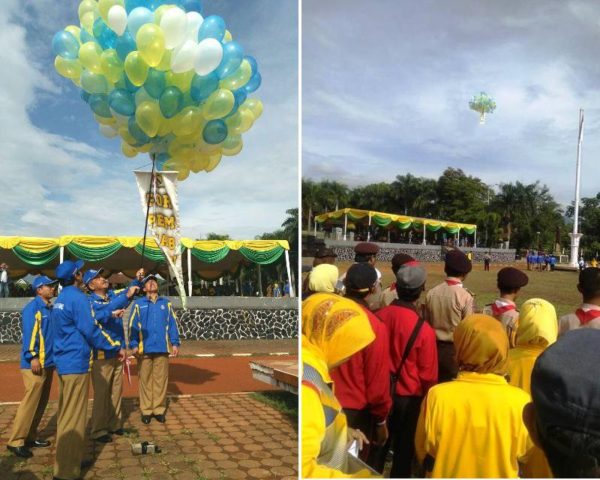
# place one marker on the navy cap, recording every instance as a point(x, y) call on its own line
point(41, 281)
point(91, 274)
point(67, 269)
point(148, 277)
point(360, 277)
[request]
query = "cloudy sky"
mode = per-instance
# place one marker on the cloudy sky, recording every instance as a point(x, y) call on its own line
point(386, 87)
point(59, 175)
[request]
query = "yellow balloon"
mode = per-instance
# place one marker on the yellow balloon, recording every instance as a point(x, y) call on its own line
point(182, 81)
point(126, 136)
point(105, 5)
point(227, 37)
point(199, 162)
point(240, 122)
point(232, 145)
point(105, 120)
point(147, 116)
point(90, 56)
point(188, 121)
point(128, 150)
point(182, 143)
point(136, 69)
point(239, 78)
point(87, 22)
point(214, 162)
point(219, 104)
point(112, 66)
point(165, 62)
point(85, 7)
point(255, 106)
point(68, 68)
point(145, 148)
point(183, 173)
point(166, 127)
point(150, 41)
point(75, 31)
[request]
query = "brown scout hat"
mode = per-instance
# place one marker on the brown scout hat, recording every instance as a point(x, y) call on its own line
point(366, 248)
point(458, 261)
point(510, 278)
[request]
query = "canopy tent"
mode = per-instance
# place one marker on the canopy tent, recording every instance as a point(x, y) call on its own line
point(209, 259)
point(391, 220)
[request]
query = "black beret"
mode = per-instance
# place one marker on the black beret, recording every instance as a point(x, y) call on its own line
point(400, 259)
point(510, 278)
point(360, 277)
point(366, 248)
point(458, 261)
point(325, 252)
point(589, 279)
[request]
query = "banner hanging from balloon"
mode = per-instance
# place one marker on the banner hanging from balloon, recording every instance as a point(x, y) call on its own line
point(162, 78)
point(158, 195)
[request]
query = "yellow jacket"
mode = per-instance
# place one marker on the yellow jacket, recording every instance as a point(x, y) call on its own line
point(473, 427)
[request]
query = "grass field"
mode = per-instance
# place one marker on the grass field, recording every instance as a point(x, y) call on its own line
point(558, 287)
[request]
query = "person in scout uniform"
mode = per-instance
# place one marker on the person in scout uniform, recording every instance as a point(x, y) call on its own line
point(76, 334)
point(152, 328)
point(366, 252)
point(588, 313)
point(446, 305)
point(390, 294)
point(510, 281)
point(107, 372)
point(37, 369)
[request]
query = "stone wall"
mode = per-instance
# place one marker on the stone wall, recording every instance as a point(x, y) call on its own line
point(215, 318)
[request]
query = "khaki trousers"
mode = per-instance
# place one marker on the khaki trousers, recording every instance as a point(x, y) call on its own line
point(154, 377)
point(32, 407)
point(107, 380)
point(70, 427)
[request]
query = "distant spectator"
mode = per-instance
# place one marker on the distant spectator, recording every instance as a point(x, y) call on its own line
point(487, 258)
point(3, 280)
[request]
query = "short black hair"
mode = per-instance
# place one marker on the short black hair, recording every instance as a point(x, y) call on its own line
point(363, 258)
point(66, 283)
point(508, 291)
point(409, 294)
point(356, 294)
point(589, 283)
point(571, 454)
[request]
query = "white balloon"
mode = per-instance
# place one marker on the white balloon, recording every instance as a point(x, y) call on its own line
point(117, 19)
point(194, 20)
point(173, 24)
point(182, 58)
point(208, 56)
point(108, 131)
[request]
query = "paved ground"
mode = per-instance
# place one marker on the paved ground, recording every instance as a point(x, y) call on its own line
point(224, 436)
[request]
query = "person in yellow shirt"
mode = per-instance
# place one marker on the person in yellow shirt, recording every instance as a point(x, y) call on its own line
point(538, 329)
point(473, 426)
point(333, 329)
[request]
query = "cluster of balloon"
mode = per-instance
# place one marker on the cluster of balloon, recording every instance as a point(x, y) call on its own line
point(163, 78)
point(483, 104)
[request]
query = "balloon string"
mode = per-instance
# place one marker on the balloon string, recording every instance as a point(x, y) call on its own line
point(148, 207)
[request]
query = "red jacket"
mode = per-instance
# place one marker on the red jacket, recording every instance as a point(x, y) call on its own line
point(420, 370)
point(364, 380)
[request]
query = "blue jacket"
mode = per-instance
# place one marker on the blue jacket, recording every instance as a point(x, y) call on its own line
point(76, 332)
point(38, 334)
point(103, 308)
point(152, 326)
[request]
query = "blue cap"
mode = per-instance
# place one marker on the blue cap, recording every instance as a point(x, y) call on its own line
point(148, 277)
point(91, 274)
point(67, 269)
point(41, 281)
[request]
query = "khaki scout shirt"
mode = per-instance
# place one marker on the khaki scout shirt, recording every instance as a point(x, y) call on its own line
point(571, 320)
point(509, 316)
point(446, 305)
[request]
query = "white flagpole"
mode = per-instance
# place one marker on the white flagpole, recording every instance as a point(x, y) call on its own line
point(576, 236)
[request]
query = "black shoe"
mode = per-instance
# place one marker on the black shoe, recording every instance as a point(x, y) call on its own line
point(146, 419)
point(119, 432)
point(160, 418)
point(86, 464)
point(22, 452)
point(104, 439)
point(37, 444)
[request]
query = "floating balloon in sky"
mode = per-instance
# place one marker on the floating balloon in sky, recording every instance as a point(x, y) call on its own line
point(483, 104)
point(163, 78)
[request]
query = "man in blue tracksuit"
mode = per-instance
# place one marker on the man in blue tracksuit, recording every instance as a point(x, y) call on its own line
point(37, 368)
point(76, 333)
point(152, 328)
point(107, 372)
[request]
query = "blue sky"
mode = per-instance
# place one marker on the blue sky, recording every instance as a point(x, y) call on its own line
point(386, 86)
point(60, 176)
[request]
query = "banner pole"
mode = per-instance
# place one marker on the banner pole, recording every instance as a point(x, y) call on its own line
point(153, 157)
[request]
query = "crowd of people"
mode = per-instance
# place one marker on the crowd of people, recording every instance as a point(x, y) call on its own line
point(82, 335)
point(441, 387)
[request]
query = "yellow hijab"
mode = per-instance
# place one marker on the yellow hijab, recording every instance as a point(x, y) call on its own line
point(337, 326)
point(538, 325)
point(323, 278)
point(481, 345)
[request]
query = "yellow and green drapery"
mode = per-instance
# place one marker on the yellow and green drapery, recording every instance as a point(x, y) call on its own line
point(390, 220)
point(208, 259)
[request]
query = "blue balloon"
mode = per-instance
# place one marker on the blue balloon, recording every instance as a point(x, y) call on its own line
point(122, 102)
point(99, 104)
point(154, 4)
point(136, 132)
point(104, 35)
point(155, 83)
point(124, 45)
point(161, 159)
point(252, 61)
point(240, 97)
point(192, 6)
point(253, 83)
point(212, 27)
point(233, 54)
point(215, 132)
point(85, 36)
point(202, 87)
point(132, 4)
point(85, 96)
point(64, 44)
point(139, 16)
